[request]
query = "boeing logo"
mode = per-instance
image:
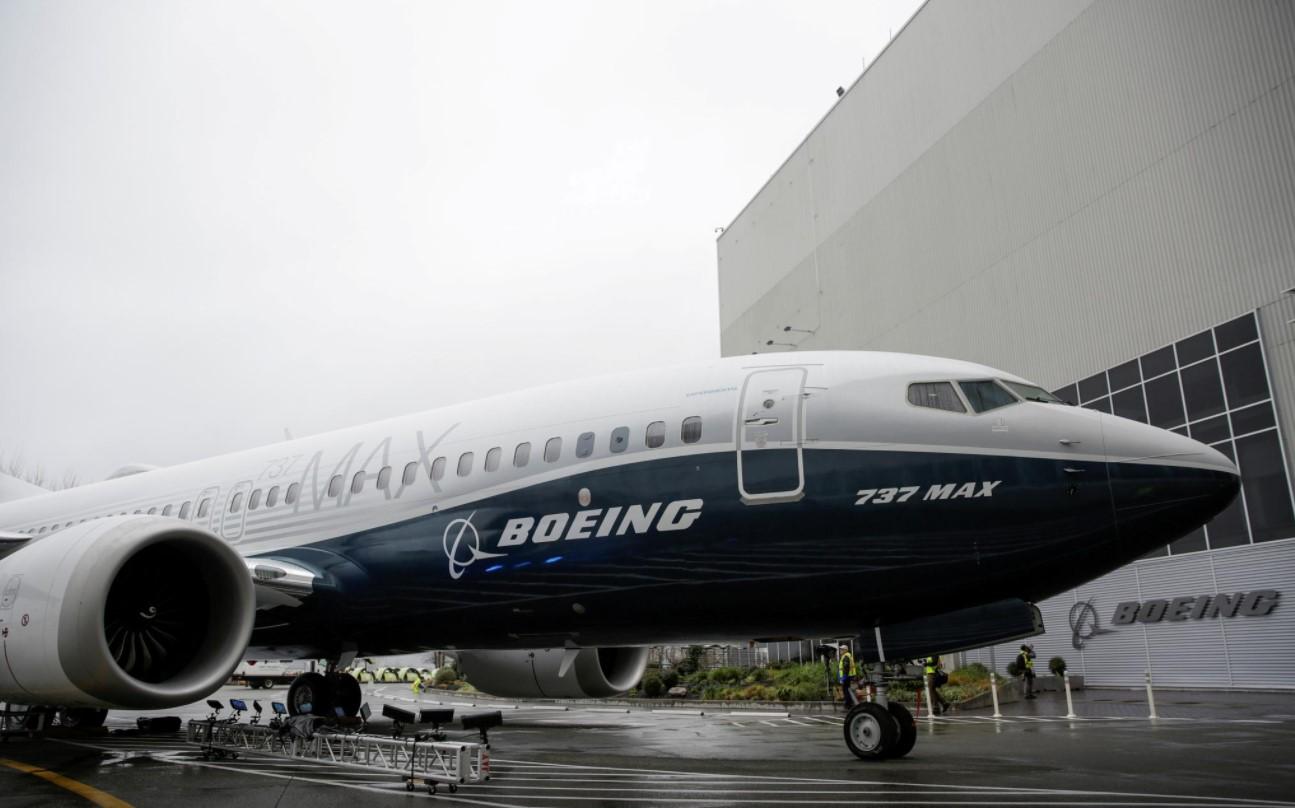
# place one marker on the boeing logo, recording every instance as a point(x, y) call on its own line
point(1084, 624)
point(462, 554)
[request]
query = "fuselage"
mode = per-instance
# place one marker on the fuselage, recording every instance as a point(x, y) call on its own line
point(806, 494)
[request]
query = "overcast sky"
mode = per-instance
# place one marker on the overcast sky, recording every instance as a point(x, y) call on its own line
point(221, 219)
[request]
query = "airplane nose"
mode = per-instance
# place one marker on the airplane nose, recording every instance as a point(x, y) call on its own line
point(1163, 485)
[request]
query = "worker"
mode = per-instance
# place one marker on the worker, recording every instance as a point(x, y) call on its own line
point(1025, 663)
point(416, 685)
point(845, 674)
point(935, 675)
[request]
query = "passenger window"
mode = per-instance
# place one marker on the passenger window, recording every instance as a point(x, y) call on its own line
point(357, 482)
point(152, 510)
point(465, 464)
point(236, 502)
point(552, 450)
point(384, 478)
point(290, 497)
point(985, 396)
point(272, 498)
point(620, 438)
point(492, 458)
point(42, 530)
point(254, 501)
point(204, 507)
point(585, 444)
point(522, 455)
point(411, 473)
point(335, 485)
point(438, 468)
point(690, 432)
point(937, 395)
point(184, 510)
point(656, 434)
point(166, 511)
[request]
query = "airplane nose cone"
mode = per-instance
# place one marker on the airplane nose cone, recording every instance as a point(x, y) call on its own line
point(1163, 485)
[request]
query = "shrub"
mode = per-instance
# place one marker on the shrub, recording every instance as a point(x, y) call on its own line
point(652, 685)
point(445, 677)
point(726, 675)
point(670, 679)
point(1014, 669)
point(1057, 665)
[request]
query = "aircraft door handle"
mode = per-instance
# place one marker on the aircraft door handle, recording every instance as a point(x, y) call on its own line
point(1069, 442)
point(1072, 470)
point(757, 421)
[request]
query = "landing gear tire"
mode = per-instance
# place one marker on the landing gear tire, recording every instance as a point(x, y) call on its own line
point(870, 731)
point(310, 694)
point(82, 717)
point(907, 730)
point(346, 693)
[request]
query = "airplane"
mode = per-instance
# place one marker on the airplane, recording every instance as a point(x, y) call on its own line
point(549, 536)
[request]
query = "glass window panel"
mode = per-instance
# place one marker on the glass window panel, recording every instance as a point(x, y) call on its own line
point(1236, 332)
point(1195, 348)
point(620, 438)
point(465, 464)
point(1211, 430)
point(1158, 362)
point(151, 512)
point(1228, 528)
point(585, 444)
point(357, 482)
point(293, 492)
point(1164, 401)
point(690, 432)
point(438, 468)
point(384, 478)
point(1124, 375)
point(1244, 378)
point(552, 450)
point(1130, 404)
point(655, 435)
point(235, 503)
point(410, 473)
point(492, 458)
point(1093, 387)
point(1202, 390)
point(522, 455)
point(272, 498)
point(1031, 392)
point(335, 485)
point(184, 511)
point(1190, 543)
point(1101, 405)
point(985, 396)
point(255, 501)
point(166, 511)
point(204, 507)
point(1263, 477)
point(937, 395)
point(1068, 394)
point(1252, 419)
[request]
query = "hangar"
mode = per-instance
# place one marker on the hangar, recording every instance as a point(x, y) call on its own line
point(1100, 196)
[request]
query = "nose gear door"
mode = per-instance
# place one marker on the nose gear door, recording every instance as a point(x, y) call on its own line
point(770, 460)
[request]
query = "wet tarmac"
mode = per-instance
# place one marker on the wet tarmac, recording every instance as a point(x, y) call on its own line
point(1204, 749)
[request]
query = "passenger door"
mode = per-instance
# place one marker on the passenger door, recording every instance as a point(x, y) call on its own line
point(770, 461)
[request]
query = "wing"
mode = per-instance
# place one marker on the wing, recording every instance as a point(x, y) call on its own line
point(9, 542)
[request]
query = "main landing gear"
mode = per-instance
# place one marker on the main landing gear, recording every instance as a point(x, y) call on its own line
point(324, 694)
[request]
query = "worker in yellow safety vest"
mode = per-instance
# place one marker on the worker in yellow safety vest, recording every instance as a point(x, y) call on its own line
point(1025, 661)
point(845, 674)
point(933, 668)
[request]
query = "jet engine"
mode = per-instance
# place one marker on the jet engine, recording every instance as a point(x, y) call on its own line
point(134, 612)
point(555, 673)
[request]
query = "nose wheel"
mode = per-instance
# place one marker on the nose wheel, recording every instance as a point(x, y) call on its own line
point(873, 732)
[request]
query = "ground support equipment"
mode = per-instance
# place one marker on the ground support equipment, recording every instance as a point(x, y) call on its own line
point(417, 762)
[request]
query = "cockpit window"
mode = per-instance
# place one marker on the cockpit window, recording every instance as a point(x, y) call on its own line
point(1031, 393)
point(986, 395)
point(939, 395)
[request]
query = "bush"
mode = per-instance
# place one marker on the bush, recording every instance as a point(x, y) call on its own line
point(1057, 665)
point(1014, 669)
point(652, 686)
point(726, 676)
point(445, 677)
point(670, 679)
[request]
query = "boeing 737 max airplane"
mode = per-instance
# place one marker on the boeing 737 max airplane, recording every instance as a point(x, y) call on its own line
point(549, 536)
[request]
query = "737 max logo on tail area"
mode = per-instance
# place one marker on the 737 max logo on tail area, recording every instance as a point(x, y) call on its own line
point(885, 496)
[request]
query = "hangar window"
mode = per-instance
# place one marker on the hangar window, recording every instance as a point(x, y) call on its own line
point(492, 458)
point(254, 501)
point(937, 395)
point(585, 444)
point(290, 497)
point(690, 432)
point(411, 472)
point(522, 455)
point(655, 436)
point(166, 511)
point(236, 502)
point(552, 450)
point(272, 497)
point(620, 438)
point(184, 510)
point(335, 485)
point(357, 482)
point(465, 464)
point(384, 478)
point(438, 468)
point(985, 396)
point(204, 507)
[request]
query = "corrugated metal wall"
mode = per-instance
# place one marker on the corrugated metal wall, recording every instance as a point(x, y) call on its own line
point(1055, 188)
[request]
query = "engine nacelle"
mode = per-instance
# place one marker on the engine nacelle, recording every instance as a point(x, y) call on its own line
point(593, 673)
point(134, 612)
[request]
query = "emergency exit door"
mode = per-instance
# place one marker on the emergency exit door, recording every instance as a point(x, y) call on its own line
point(770, 464)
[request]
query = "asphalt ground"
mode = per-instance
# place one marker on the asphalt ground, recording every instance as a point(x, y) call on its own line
point(1205, 749)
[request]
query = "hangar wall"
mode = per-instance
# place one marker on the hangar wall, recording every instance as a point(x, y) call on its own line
point(1072, 191)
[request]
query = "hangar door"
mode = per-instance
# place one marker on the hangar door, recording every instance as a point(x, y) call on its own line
point(770, 464)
